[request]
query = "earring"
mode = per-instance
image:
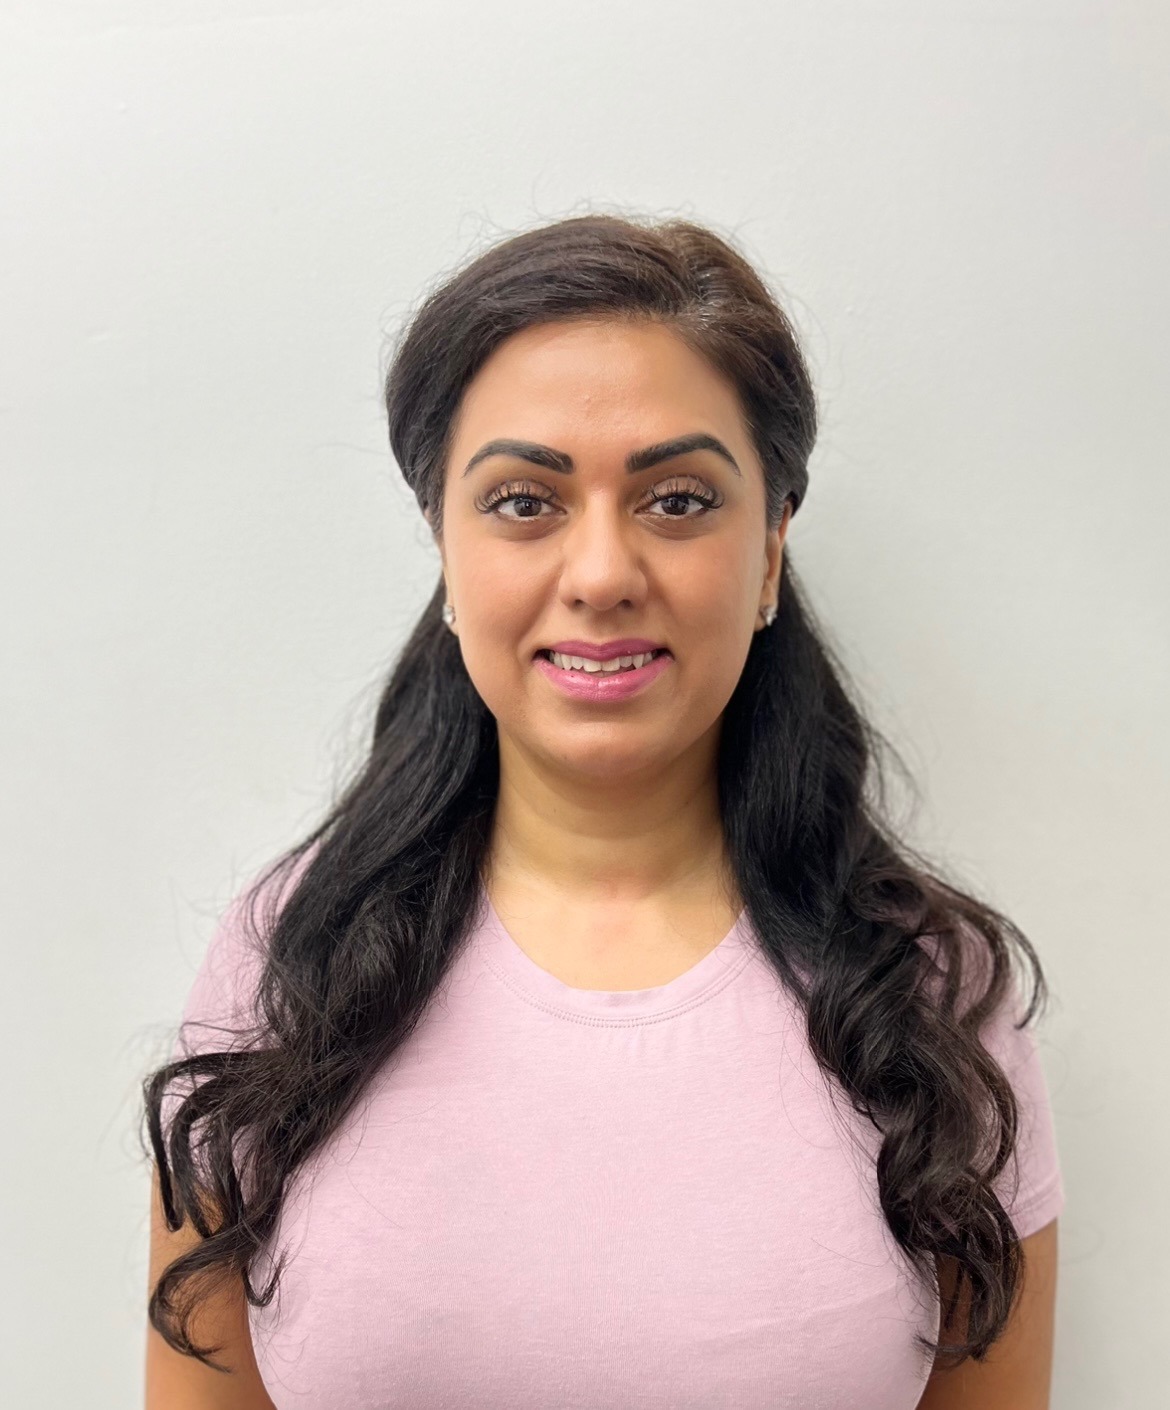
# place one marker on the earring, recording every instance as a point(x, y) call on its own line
point(769, 615)
point(448, 613)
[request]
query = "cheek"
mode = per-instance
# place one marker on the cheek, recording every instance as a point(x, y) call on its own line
point(488, 585)
point(713, 609)
point(497, 616)
point(496, 673)
point(713, 590)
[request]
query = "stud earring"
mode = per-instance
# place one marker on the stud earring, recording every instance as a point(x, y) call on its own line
point(769, 615)
point(448, 613)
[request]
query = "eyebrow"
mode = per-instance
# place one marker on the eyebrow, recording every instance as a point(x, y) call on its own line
point(562, 463)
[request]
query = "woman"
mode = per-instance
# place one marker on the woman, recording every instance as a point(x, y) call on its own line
point(603, 1046)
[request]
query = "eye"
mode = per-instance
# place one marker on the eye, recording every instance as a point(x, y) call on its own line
point(528, 497)
point(677, 492)
point(522, 493)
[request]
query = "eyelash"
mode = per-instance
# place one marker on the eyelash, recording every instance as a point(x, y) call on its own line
point(514, 490)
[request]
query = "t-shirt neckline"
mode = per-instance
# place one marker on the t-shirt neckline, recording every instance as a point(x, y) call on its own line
point(614, 1007)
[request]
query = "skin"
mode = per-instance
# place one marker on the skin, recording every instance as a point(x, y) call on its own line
point(609, 813)
point(1016, 1374)
point(178, 1382)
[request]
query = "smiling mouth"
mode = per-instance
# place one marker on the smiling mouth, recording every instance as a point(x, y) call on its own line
point(579, 665)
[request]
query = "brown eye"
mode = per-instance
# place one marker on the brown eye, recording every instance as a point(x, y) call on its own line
point(523, 494)
point(679, 494)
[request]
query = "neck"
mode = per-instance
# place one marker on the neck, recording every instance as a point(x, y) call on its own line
point(603, 838)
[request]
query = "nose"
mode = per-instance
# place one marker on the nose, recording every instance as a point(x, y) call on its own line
point(602, 564)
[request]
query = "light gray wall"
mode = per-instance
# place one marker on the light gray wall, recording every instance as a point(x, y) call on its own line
point(213, 214)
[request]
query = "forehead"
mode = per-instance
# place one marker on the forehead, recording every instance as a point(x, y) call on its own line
point(609, 376)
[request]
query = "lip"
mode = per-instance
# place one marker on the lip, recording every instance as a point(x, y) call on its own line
point(598, 688)
point(604, 650)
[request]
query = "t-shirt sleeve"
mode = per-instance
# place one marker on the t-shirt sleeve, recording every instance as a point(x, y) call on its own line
point(219, 1011)
point(1030, 1186)
point(222, 1012)
point(218, 1014)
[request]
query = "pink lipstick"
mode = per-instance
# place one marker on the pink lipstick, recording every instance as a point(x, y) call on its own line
point(603, 686)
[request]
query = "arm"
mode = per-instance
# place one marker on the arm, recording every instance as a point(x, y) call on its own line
point(1016, 1374)
point(178, 1382)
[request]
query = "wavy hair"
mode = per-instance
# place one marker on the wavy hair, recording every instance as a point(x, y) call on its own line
point(894, 967)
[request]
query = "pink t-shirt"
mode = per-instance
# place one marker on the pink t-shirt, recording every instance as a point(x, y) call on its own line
point(555, 1197)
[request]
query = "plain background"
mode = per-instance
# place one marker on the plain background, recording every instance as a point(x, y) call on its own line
point(216, 215)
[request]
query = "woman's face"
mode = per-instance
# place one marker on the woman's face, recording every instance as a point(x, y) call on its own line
point(579, 548)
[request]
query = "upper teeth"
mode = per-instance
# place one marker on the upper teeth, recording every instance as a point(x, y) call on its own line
point(582, 663)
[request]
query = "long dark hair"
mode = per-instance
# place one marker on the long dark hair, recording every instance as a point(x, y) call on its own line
point(880, 951)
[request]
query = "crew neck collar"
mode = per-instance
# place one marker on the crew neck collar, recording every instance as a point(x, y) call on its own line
point(610, 1007)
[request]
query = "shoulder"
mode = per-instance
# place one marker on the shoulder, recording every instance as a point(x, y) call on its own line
point(221, 1004)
